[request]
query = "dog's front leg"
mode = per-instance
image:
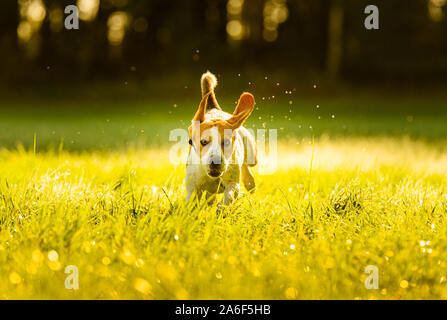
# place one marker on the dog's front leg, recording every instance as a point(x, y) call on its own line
point(190, 188)
point(188, 195)
point(191, 180)
point(231, 193)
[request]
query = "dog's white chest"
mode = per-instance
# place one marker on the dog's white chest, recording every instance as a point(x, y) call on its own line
point(199, 181)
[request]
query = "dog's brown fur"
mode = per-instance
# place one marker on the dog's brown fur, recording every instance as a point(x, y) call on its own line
point(209, 117)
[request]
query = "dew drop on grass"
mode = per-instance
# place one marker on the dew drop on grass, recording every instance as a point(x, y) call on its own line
point(15, 278)
point(404, 284)
point(53, 255)
point(291, 293)
point(142, 286)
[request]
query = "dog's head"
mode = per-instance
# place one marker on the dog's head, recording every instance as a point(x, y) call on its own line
point(214, 139)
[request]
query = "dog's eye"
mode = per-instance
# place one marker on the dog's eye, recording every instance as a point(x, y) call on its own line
point(203, 142)
point(226, 142)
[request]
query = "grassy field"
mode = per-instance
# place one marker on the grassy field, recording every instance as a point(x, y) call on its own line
point(93, 187)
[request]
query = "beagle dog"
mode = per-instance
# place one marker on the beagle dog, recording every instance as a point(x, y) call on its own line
point(221, 150)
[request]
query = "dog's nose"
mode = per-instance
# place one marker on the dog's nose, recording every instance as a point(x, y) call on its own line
point(215, 163)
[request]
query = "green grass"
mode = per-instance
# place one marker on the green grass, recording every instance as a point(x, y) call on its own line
point(89, 124)
point(371, 190)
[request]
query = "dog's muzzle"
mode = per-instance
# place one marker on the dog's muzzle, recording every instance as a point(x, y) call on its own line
point(215, 167)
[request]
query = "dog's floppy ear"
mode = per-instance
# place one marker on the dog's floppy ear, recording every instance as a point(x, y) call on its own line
point(200, 114)
point(243, 110)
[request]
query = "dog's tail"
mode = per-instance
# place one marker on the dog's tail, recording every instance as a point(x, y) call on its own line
point(208, 83)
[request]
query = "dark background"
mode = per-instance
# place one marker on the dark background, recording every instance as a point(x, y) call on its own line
point(130, 74)
point(164, 39)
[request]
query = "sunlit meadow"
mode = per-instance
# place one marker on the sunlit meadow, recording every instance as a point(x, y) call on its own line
point(335, 205)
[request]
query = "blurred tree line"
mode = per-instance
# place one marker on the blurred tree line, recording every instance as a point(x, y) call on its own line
point(152, 38)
